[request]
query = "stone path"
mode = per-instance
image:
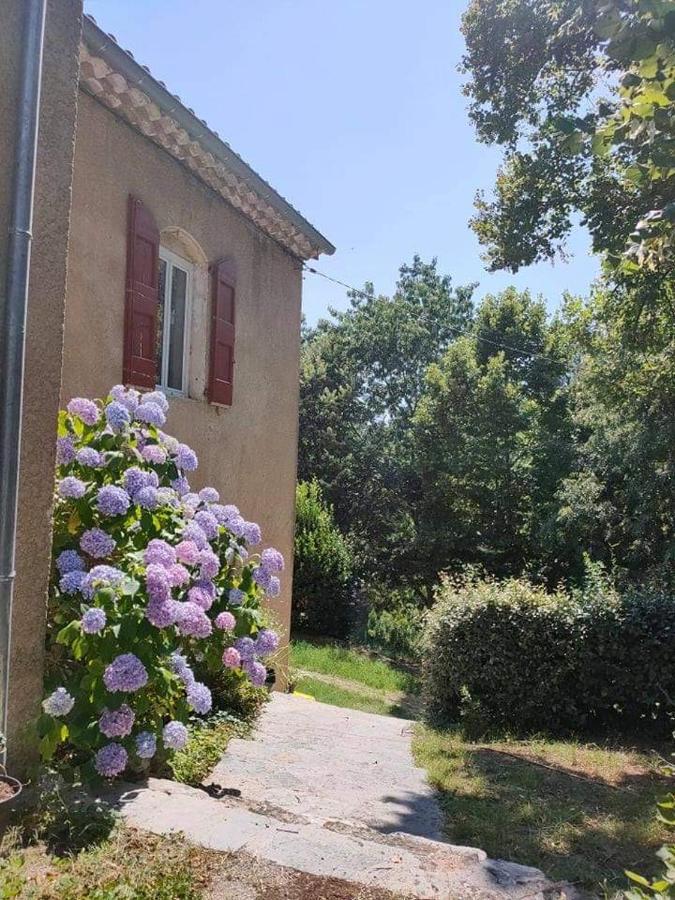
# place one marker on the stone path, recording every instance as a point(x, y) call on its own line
point(331, 792)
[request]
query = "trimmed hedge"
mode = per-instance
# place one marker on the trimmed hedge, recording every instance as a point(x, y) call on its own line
point(509, 655)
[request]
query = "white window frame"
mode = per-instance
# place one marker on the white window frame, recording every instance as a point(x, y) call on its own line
point(172, 261)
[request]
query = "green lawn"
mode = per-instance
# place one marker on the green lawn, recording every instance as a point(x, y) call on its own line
point(348, 664)
point(351, 699)
point(585, 815)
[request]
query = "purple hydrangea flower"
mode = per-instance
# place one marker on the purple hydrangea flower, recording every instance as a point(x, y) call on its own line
point(209, 495)
point(112, 500)
point(199, 698)
point(208, 523)
point(179, 666)
point(93, 621)
point(217, 510)
point(84, 409)
point(100, 577)
point(111, 760)
point(117, 722)
point(59, 703)
point(146, 744)
point(158, 398)
point(191, 501)
point(178, 575)
point(209, 564)
point(192, 621)
point(231, 658)
point(237, 525)
point(97, 543)
point(117, 415)
point(186, 458)
point(125, 673)
point(65, 450)
point(147, 497)
point(181, 485)
point(128, 398)
point(266, 642)
point(202, 597)
point(251, 533)
point(225, 621)
point(87, 456)
point(187, 552)
point(166, 496)
point(72, 582)
point(153, 453)
point(151, 413)
point(236, 596)
point(274, 587)
point(162, 613)
point(157, 583)
point(174, 735)
point(192, 532)
point(256, 672)
point(261, 577)
point(69, 561)
point(168, 441)
point(245, 647)
point(72, 487)
point(159, 552)
point(272, 561)
point(135, 478)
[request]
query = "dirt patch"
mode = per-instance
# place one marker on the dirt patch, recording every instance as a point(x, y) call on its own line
point(244, 877)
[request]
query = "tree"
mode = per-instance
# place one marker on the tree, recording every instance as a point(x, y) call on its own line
point(493, 442)
point(362, 375)
point(322, 566)
point(619, 500)
point(580, 94)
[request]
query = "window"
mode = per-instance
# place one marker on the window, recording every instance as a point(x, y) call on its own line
point(173, 321)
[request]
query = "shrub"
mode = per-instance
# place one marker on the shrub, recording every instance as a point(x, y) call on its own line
point(322, 571)
point(149, 578)
point(398, 631)
point(510, 655)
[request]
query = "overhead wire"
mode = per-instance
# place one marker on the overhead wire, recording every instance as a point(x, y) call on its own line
point(457, 331)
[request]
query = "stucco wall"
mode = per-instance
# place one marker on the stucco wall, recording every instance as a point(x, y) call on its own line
point(44, 337)
point(247, 451)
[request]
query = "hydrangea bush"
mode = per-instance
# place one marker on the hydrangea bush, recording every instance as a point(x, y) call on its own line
point(150, 577)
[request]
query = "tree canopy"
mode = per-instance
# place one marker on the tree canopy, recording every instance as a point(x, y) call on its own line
point(580, 95)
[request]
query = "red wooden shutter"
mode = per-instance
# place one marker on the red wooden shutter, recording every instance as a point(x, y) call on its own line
point(142, 297)
point(221, 366)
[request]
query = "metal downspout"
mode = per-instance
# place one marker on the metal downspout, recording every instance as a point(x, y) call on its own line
point(13, 307)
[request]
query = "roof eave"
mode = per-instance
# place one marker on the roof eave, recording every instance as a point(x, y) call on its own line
point(104, 45)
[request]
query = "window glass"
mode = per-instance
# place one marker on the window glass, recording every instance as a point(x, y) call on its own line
point(177, 329)
point(172, 314)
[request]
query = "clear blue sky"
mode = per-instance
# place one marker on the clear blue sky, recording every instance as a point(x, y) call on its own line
point(354, 112)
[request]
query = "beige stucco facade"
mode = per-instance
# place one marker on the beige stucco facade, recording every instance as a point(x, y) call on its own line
point(247, 451)
point(44, 337)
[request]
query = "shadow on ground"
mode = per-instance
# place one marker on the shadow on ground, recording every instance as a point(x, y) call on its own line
point(585, 829)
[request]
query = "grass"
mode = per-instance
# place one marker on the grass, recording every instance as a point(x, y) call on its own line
point(578, 812)
point(208, 741)
point(127, 864)
point(351, 678)
point(325, 692)
point(350, 665)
